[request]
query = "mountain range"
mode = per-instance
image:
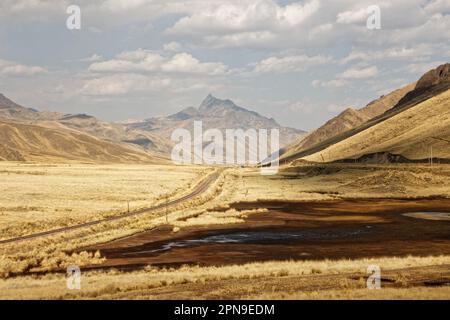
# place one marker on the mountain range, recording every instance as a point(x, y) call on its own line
point(409, 124)
point(77, 136)
point(28, 134)
point(216, 114)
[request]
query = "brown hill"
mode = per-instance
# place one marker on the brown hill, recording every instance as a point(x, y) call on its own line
point(347, 120)
point(432, 84)
point(385, 103)
point(415, 126)
point(429, 85)
point(111, 132)
point(21, 142)
point(416, 134)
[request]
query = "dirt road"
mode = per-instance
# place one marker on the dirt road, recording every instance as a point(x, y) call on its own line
point(198, 190)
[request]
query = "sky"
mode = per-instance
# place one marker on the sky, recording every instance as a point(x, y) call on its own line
point(300, 62)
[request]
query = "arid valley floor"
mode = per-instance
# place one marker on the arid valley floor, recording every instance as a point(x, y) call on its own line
point(195, 232)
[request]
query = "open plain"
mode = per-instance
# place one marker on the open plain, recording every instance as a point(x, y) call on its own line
point(309, 232)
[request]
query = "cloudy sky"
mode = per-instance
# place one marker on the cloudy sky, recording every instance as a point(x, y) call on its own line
point(300, 62)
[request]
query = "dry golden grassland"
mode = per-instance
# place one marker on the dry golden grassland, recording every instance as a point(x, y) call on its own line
point(276, 280)
point(211, 208)
point(118, 183)
point(37, 197)
point(326, 182)
point(55, 252)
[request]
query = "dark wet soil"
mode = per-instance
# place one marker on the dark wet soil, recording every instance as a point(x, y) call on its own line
point(343, 229)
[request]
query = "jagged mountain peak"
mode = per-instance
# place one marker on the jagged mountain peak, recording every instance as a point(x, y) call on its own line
point(434, 77)
point(212, 102)
point(219, 114)
point(6, 102)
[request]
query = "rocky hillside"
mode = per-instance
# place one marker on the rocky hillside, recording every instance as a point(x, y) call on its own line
point(218, 114)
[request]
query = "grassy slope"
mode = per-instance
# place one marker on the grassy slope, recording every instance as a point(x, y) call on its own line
point(38, 143)
point(346, 121)
point(408, 133)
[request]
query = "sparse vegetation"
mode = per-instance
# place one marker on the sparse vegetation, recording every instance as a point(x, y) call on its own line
point(213, 207)
point(40, 197)
point(278, 279)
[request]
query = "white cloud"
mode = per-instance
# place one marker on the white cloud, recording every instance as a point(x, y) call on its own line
point(433, 30)
point(27, 5)
point(352, 16)
point(345, 78)
point(139, 55)
point(186, 63)
point(247, 39)
point(416, 52)
point(359, 73)
point(438, 6)
point(34, 10)
point(173, 46)
point(335, 83)
point(123, 5)
point(290, 63)
point(321, 30)
point(120, 84)
point(237, 22)
point(149, 61)
point(116, 66)
point(422, 67)
point(11, 68)
point(94, 58)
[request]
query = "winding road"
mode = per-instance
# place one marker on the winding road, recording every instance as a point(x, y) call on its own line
point(200, 188)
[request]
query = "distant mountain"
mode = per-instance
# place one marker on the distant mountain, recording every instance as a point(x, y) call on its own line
point(12, 110)
point(415, 127)
point(27, 142)
point(117, 133)
point(111, 132)
point(218, 114)
point(348, 119)
point(6, 103)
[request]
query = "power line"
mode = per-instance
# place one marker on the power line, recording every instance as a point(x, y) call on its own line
point(441, 139)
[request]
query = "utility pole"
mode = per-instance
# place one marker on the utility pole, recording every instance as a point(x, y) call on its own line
point(431, 148)
point(128, 203)
point(431, 155)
